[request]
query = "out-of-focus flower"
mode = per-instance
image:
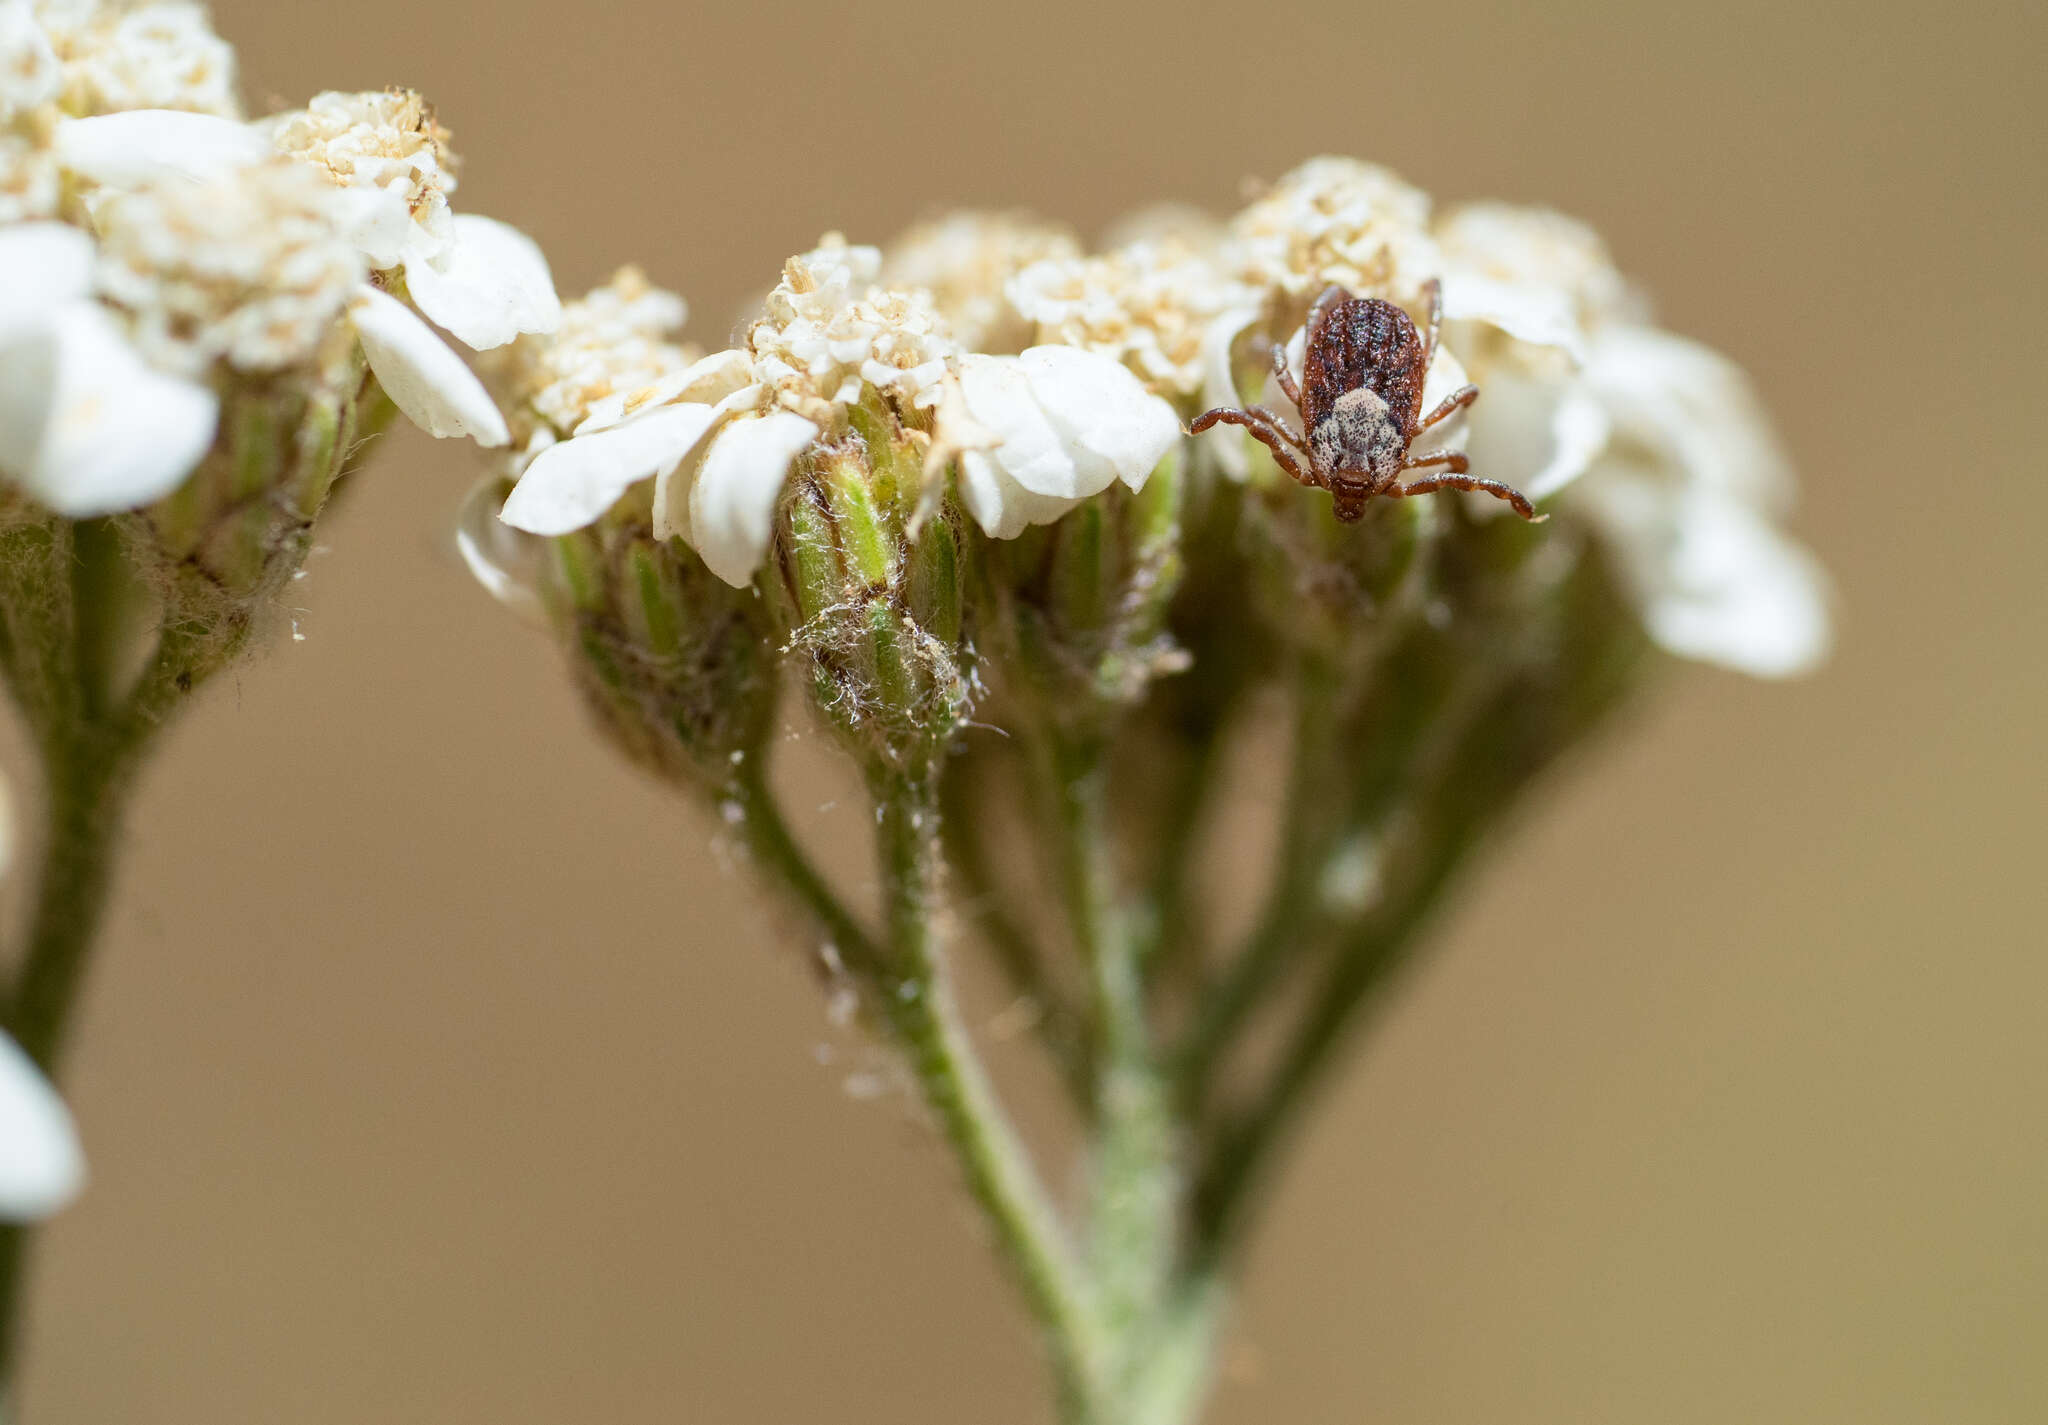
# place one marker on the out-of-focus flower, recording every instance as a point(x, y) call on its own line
point(1657, 441)
point(113, 56)
point(41, 1167)
point(966, 260)
point(110, 349)
point(720, 436)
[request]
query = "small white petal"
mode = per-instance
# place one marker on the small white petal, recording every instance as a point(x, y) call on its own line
point(488, 286)
point(1219, 388)
point(129, 149)
point(1106, 416)
point(376, 222)
point(572, 483)
point(1535, 312)
point(732, 500)
point(1537, 435)
point(999, 398)
point(711, 379)
point(89, 429)
point(46, 265)
point(1003, 508)
point(420, 374)
point(41, 1167)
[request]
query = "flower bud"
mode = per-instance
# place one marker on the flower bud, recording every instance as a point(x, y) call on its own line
point(872, 595)
point(1079, 607)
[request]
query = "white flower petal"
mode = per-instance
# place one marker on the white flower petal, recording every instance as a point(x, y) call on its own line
point(86, 427)
point(1003, 508)
point(572, 483)
point(999, 398)
point(376, 222)
point(129, 149)
point(1730, 588)
point(41, 1167)
point(488, 286)
point(711, 379)
point(46, 266)
point(1103, 412)
point(732, 500)
point(420, 374)
point(1535, 312)
point(1537, 435)
point(1446, 377)
point(1693, 405)
point(1219, 388)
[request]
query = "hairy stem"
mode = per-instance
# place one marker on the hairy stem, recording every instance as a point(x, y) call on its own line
point(926, 1022)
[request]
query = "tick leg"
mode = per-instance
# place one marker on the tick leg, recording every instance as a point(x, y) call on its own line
point(1262, 425)
point(1279, 423)
point(1450, 405)
point(1457, 480)
point(1433, 292)
point(1284, 376)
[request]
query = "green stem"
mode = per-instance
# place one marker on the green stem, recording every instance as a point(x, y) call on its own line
point(775, 850)
point(927, 1023)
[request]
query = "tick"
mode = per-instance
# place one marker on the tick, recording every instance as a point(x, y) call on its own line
point(1361, 399)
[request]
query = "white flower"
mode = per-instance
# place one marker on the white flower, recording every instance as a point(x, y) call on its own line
point(108, 356)
point(1151, 305)
point(482, 280)
point(966, 260)
point(1336, 220)
point(1655, 440)
point(41, 1168)
point(250, 269)
point(1041, 431)
point(1062, 425)
point(830, 327)
point(613, 341)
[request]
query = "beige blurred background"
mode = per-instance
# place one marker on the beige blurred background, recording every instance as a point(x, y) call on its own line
point(434, 1071)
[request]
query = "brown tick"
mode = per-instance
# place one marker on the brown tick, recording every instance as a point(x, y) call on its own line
point(1361, 399)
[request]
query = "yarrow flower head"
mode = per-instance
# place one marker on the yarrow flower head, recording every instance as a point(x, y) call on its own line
point(482, 280)
point(966, 260)
point(251, 269)
point(1336, 221)
point(613, 341)
point(1154, 304)
point(1033, 433)
point(198, 251)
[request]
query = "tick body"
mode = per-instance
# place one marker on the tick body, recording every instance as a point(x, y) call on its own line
point(1361, 399)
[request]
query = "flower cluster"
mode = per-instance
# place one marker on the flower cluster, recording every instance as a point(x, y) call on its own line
point(1032, 376)
point(1035, 433)
point(157, 250)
